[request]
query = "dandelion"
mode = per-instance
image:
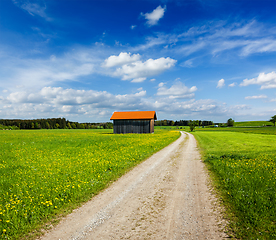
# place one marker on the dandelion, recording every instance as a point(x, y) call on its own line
point(64, 166)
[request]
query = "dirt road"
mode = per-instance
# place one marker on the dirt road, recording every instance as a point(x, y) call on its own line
point(165, 197)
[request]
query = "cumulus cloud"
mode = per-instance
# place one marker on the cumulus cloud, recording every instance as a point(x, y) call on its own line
point(177, 90)
point(265, 80)
point(185, 108)
point(153, 17)
point(256, 97)
point(137, 80)
point(123, 58)
point(232, 84)
point(66, 99)
point(91, 105)
point(57, 101)
point(138, 71)
point(221, 83)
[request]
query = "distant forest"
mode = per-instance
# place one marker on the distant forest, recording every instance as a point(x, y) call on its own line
point(62, 123)
point(51, 123)
point(182, 123)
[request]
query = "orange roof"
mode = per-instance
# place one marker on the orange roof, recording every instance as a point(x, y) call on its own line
point(134, 115)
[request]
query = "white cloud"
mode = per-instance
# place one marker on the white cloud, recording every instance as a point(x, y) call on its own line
point(185, 109)
point(232, 84)
point(188, 63)
point(256, 97)
point(154, 16)
point(177, 90)
point(265, 80)
point(137, 80)
point(40, 72)
point(258, 46)
point(139, 71)
point(243, 39)
point(133, 26)
point(97, 106)
point(32, 8)
point(122, 59)
point(221, 83)
point(57, 96)
point(153, 42)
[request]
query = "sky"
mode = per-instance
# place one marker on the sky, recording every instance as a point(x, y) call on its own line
point(186, 59)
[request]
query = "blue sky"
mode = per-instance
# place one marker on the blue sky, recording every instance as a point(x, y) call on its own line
point(83, 60)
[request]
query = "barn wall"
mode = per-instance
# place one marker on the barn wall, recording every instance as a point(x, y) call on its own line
point(131, 126)
point(152, 125)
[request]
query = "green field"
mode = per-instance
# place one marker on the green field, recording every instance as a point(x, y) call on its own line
point(251, 130)
point(46, 173)
point(253, 124)
point(243, 163)
point(171, 127)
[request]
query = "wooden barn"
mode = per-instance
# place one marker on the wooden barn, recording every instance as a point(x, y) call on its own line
point(133, 122)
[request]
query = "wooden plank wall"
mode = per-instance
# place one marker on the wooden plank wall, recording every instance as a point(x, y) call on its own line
point(132, 126)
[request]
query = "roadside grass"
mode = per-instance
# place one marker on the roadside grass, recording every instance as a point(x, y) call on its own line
point(244, 168)
point(47, 173)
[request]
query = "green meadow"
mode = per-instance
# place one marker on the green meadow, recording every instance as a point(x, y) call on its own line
point(171, 127)
point(243, 165)
point(253, 124)
point(46, 173)
point(251, 130)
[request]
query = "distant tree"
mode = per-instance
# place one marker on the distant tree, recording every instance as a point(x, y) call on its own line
point(230, 122)
point(47, 125)
point(199, 123)
point(273, 119)
point(192, 125)
point(69, 125)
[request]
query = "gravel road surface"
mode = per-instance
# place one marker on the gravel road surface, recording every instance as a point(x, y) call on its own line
point(165, 197)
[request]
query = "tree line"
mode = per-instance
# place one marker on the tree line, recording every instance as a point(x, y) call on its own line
point(51, 123)
point(62, 123)
point(182, 123)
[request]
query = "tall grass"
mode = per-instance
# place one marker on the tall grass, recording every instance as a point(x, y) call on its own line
point(244, 165)
point(45, 172)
